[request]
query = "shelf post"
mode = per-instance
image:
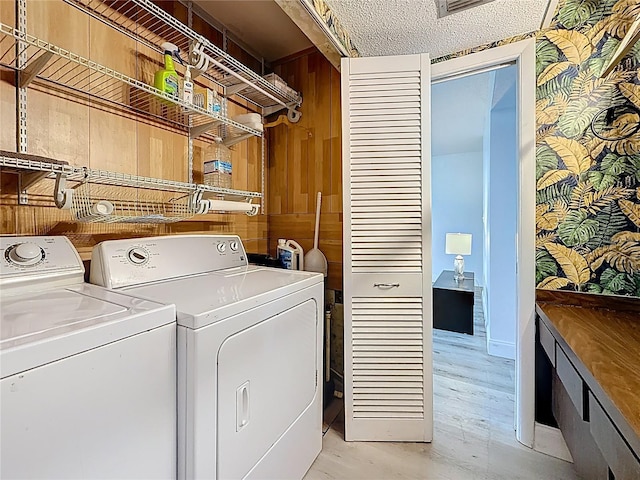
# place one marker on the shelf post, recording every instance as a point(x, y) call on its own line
point(263, 199)
point(21, 91)
point(190, 139)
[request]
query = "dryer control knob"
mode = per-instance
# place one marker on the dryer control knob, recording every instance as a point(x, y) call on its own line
point(221, 247)
point(138, 255)
point(233, 245)
point(26, 254)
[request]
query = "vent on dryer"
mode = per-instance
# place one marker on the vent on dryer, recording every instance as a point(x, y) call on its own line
point(447, 7)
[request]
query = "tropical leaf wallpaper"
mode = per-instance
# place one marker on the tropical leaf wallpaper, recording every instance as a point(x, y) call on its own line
point(588, 187)
point(588, 153)
point(332, 22)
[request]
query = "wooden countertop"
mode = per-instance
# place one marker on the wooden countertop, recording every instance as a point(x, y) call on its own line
point(603, 332)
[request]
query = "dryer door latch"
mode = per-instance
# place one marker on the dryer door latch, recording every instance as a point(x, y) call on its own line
point(242, 406)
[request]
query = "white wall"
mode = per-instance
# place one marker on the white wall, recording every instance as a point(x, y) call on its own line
point(486, 259)
point(501, 215)
point(456, 197)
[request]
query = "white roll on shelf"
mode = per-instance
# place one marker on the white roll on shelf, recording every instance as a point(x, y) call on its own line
point(230, 206)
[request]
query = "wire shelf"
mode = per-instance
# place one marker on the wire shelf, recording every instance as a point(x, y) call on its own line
point(84, 174)
point(68, 70)
point(147, 23)
point(100, 196)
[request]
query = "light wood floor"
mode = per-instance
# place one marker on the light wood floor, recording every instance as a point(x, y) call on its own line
point(474, 436)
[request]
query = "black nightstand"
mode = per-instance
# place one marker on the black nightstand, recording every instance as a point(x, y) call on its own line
point(453, 303)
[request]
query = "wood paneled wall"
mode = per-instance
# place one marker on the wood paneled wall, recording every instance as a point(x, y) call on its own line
point(85, 133)
point(305, 158)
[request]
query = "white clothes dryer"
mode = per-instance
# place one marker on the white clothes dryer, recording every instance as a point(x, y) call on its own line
point(249, 352)
point(88, 375)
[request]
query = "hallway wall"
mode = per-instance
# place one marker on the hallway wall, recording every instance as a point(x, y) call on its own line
point(456, 195)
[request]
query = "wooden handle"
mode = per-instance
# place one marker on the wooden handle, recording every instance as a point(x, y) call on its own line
point(318, 203)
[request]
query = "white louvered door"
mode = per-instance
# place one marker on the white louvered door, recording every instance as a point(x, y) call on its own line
point(387, 248)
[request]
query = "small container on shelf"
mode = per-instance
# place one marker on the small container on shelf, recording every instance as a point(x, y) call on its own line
point(217, 166)
point(208, 99)
point(280, 84)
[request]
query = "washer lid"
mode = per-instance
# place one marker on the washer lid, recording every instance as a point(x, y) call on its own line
point(39, 328)
point(208, 298)
point(40, 315)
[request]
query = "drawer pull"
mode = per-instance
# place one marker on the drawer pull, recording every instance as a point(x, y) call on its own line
point(386, 285)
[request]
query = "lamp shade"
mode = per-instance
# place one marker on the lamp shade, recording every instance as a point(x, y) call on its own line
point(458, 244)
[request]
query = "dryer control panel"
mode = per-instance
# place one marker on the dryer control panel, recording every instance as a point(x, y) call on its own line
point(124, 263)
point(35, 261)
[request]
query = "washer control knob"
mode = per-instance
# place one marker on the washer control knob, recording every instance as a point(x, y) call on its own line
point(138, 255)
point(222, 247)
point(26, 254)
point(233, 245)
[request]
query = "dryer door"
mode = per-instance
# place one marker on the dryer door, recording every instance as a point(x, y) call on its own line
point(266, 380)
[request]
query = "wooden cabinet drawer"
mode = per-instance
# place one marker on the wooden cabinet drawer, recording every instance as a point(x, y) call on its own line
point(622, 462)
point(548, 342)
point(571, 380)
point(388, 285)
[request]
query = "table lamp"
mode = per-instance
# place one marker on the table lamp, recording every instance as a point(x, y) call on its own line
point(458, 244)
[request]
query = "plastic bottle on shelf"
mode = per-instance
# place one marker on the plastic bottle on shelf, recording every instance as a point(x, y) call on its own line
point(217, 104)
point(222, 104)
point(166, 79)
point(225, 174)
point(186, 90)
point(217, 166)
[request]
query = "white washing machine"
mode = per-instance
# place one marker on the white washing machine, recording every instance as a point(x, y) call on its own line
point(249, 352)
point(88, 376)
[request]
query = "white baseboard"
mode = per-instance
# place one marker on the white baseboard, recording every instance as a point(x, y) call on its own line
point(498, 348)
point(549, 440)
point(485, 308)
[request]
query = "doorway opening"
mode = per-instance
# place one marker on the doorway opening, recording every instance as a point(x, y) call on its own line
point(522, 54)
point(474, 193)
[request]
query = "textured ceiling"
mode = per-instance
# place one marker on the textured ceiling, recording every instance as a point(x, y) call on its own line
point(396, 27)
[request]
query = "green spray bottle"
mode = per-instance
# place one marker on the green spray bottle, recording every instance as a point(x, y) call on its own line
point(166, 80)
